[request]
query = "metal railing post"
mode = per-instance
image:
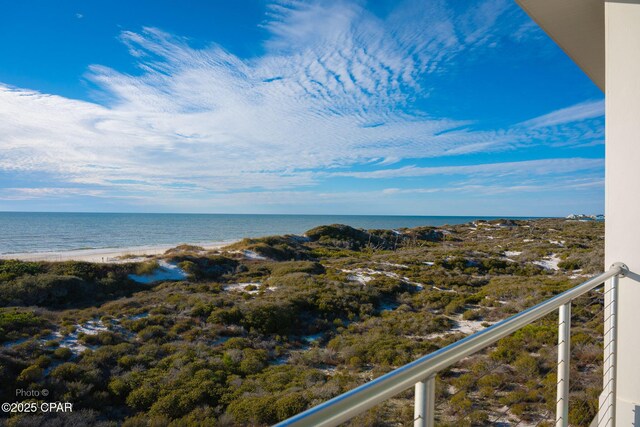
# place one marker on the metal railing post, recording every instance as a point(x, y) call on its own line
point(607, 410)
point(564, 341)
point(425, 395)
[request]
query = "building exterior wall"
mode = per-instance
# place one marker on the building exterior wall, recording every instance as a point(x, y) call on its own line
point(622, 194)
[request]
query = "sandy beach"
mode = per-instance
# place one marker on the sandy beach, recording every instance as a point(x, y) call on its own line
point(106, 255)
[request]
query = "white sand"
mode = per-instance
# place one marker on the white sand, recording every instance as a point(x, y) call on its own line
point(139, 316)
point(512, 253)
point(549, 263)
point(253, 255)
point(578, 274)
point(92, 327)
point(247, 254)
point(111, 255)
point(469, 326)
point(242, 287)
point(365, 275)
point(466, 327)
point(390, 264)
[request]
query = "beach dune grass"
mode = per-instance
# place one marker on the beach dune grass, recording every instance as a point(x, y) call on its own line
point(278, 248)
point(147, 268)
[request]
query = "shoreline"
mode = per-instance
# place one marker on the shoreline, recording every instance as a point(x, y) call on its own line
point(108, 255)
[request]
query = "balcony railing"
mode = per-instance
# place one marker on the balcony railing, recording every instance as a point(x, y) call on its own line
point(422, 372)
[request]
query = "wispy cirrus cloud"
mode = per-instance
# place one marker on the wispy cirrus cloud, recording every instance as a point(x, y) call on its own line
point(487, 189)
point(335, 88)
point(26, 193)
point(575, 113)
point(529, 167)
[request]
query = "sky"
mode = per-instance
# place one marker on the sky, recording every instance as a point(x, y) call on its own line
point(328, 107)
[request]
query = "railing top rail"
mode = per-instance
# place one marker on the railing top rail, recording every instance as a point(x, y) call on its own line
point(349, 404)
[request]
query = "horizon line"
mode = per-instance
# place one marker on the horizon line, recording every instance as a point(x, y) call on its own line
point(293, 214)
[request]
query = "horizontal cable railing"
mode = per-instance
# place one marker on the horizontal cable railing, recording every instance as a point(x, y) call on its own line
point(421, 373)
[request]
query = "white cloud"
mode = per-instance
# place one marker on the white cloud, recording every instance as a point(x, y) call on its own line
point(581, 184)
point(28, 193)
point(529, 167)
point(575, 113)
point(334, 89)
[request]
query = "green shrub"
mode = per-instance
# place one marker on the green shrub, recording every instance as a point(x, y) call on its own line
point(190, 268)
point(571, 264)
point(142, 398)
point(276, 317)
point(254, 409)
point(289, 405)
point(253, 361)
point(344, 236)
point(526, 366)
point(67, 372)
point(226, 316)
point(62, 353)
point(12, 268)
point(204, 266)
point(455, 306)
point(184, 248)
point(154, 332)
point(387, 285)
point(101, 338)
point(278, 248)
point(14, 324)
point(284, 268)
point(84, 270)
point(43, 289)
point(460, 402)
point(147, 268)
point(472, 315)
point(30, 374)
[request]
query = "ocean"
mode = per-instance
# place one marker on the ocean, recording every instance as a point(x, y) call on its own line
point(22, 232)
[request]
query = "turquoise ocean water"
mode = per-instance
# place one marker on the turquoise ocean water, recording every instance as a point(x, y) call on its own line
point(48, 232)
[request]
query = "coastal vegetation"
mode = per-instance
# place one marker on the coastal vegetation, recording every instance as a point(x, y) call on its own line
point(267, 327)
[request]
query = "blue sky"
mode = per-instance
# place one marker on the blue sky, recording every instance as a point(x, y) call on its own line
point(345, 107)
